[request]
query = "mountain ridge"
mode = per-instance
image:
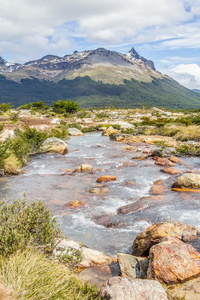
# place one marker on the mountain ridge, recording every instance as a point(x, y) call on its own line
point(93, 78)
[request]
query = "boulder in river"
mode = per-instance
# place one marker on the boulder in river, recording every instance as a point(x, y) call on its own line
point(153, 235)
point(54, 145)
point(84, 168)
point(173, 261)
point(188, 180)
point(163, 162)
point(75, 132)
point(118, 288)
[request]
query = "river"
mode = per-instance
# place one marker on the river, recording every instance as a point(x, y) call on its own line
point(44, 179)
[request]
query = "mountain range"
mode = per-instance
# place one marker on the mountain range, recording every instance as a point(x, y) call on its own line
point(97, 77)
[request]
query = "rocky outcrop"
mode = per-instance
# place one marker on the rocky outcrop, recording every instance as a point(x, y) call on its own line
point(54, 145)
point(118, 288)
point(172, 261)
point(188, 180)
point(154, 234)
point(75, 132)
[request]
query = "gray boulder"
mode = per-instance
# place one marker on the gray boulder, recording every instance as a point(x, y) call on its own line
point(118, 288)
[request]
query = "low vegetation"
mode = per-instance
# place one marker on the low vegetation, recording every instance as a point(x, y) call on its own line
point(28, 232)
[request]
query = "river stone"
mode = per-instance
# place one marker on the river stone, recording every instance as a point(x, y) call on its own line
point(89, 257)
point(84, 168)
point(106, 178)
point(173, 261)
point(54, 144)
point(118, 288)
point(132, 266)
point(188, 180)
point(153, 235)
point(170, 171)
point(110, 131)
point(189, 290)
point(75, 132)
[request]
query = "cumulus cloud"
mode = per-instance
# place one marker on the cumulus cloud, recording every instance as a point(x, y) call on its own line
point(187, 75)
point(30, 28)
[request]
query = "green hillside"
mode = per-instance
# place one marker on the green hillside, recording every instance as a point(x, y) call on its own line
point(88, 93)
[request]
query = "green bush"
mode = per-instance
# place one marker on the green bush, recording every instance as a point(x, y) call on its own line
point(4, 107)
point(23, 224)
point(66, 106)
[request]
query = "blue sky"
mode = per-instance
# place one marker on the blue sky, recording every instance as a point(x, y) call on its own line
point(165, 31)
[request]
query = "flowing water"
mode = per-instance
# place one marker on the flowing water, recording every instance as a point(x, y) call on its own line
point(45, 179)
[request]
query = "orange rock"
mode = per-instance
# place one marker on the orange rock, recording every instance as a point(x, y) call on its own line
point(158, 188)
point(163, 162)
point(155, 233)
point(133, 207)
point(170, 171)
point(187, 190)
point(173, 261)
point(106, 178)
point(175, 159)
point(75, 204)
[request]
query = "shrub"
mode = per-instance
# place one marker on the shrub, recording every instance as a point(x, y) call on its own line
point(65, 106)
point(22, 224)
point(31, 276)
point(4, 107)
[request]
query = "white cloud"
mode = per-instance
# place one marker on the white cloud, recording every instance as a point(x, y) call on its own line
point(187, 75)
point(34, 27)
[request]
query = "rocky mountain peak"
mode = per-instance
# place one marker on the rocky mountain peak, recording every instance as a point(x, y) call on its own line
point(134, 53)
point(2, 61)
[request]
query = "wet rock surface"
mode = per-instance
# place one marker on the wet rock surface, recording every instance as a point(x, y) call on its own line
point(172, 261)
point(154, 234)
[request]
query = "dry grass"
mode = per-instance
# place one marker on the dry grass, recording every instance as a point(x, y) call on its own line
point(30, 275)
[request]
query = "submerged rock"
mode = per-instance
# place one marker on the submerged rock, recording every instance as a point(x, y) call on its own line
point(154, 234)
point(173, 261)
point(54, 145)
point(106, 178)
point(118, 288)
point(189, 180)
point(170, 171)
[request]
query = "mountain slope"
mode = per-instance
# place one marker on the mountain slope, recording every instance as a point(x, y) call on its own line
point(93, 78)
